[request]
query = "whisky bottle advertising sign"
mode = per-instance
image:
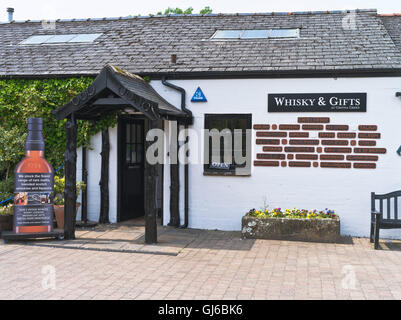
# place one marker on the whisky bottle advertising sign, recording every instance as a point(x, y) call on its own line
point(317, 102)
point(33, 185)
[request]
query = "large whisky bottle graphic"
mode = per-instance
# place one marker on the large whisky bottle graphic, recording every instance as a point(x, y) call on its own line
point(33, 185)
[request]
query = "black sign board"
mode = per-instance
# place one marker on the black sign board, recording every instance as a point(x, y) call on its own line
point(317, 102)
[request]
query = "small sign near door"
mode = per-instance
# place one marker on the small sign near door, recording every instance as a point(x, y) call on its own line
point(198, 96)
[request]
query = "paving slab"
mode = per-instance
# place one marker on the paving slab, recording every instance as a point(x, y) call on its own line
point(113, 262)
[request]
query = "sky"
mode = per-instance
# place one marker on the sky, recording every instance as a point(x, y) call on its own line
point(52, 9)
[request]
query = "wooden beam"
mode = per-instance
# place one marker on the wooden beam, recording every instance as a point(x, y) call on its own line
point(84, 211)
point(104, 180)
point(110, 102)
point(70, 161)
point(150, 194)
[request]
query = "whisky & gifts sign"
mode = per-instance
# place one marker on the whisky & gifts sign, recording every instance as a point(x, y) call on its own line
point(317, 102)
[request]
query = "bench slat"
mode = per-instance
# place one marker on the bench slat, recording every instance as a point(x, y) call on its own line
point(388, 208)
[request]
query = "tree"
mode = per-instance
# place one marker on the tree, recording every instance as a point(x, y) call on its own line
point(206, 10)
point(176, 11)
point(11, 149)
point(189, 10)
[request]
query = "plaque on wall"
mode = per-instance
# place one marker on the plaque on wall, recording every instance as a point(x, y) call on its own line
point(316, 102)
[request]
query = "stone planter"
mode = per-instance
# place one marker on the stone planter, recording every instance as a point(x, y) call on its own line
point(6, 222)
point(59, 214)
point(316, 230)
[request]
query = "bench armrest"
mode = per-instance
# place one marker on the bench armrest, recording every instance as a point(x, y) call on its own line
point(376, 215)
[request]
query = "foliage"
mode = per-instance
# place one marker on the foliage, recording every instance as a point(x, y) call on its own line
point(59, 184)
point(169, 10)
point(24, 98)
point(11, 148)
point(293, 214)
point(6, 188)
point(206, 10)
point(6, 210)
point(176, 11)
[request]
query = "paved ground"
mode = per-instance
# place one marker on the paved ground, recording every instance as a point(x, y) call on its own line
point(194, 264)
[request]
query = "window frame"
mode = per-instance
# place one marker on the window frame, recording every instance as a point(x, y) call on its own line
point(242, 31)
point(208, 117)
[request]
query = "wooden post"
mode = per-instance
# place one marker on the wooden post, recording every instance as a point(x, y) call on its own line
point(84, 212)
point(150, 195)
point(104, 180)
point(70, 196)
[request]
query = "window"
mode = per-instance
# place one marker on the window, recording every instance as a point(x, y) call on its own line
point(227, 144)
point(134, 144)
point(256, 34)
point(62, 38)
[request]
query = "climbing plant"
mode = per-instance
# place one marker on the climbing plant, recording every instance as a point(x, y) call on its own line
point(21, 99)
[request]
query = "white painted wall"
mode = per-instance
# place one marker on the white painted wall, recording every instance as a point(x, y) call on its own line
point(220, 202)
point(94, 170)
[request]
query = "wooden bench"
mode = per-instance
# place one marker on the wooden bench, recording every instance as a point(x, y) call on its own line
point(392, 220)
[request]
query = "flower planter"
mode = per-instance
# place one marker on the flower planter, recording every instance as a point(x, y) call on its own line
point(59, 214)
point(316, 230)
point(6, 222)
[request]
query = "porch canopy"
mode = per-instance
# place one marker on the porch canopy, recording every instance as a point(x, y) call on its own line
point(112, 90)
point(115, 89)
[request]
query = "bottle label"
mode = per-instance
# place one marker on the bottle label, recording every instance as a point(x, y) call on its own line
point(33, 201)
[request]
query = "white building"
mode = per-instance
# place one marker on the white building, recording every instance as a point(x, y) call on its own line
point(317, 90)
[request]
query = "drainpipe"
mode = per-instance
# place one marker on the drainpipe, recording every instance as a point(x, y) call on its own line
point(10, 14)
point(186, 167)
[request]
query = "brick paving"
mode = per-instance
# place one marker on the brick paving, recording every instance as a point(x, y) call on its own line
point(203, 265)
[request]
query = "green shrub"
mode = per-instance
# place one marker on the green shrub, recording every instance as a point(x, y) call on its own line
point(21, 99)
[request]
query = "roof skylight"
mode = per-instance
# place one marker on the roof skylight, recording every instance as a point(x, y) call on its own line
point(256, 34)
point(62, 38)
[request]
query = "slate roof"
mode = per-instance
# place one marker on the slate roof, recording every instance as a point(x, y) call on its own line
point(144, 45)
point(392, 23)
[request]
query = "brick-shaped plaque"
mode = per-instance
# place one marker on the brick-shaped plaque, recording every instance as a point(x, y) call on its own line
point(332, 157)
point(303, 164)
point(261, 126)
point(337, 127)
point(337, 150)
point(313, 120)
point(363, 135)
point(272, 149)
point(367, 128)
point(327, 135)
point(362, 158)
point(358, 165)
point(266, 163)
point(289, 127)
point(312, 127)
point(268, 141)
point(271, 134)
point(335, 165)
point(306, 156)
point(367, 143)
point(335, 142)
point(346, 135)
point(299, 134)
point(271, 156)
point(370, 150)
point(299, 149)
point(304, 142)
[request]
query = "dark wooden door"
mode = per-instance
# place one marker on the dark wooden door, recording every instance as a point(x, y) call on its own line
point(132, 169)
